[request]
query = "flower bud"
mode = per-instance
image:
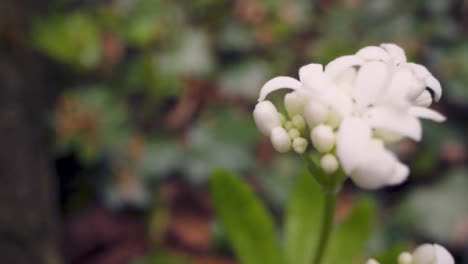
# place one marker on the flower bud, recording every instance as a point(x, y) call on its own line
point(424, 99)
point(298, 122)
point(333, 119)
point(288, 125)
point(432, 254)
point(372, 261)
point(294, 103)
point(329, 163)
point(405, 258)
point(280, 139)
point(294, 133)
point(266, 117)
point(282, 118)
point(300, 145)
point(315, 113)
point(323, 138)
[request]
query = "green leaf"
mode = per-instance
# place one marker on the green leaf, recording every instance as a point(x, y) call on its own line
point(246, 222)
point(350, 238)
point(303, 220)
point(73, 39)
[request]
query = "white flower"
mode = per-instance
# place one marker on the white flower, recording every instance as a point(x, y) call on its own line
point(380, 100)
point(432, 254)
point(371, 97)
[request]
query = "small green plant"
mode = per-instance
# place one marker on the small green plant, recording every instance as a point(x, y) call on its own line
point(349, 109)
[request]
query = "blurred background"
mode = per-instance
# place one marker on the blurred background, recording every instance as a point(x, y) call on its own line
point(113, 113)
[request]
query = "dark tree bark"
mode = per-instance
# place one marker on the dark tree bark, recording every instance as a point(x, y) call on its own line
point(28, 214)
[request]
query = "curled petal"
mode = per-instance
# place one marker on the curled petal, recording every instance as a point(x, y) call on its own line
point(424, 99)
point(419, 70)
point(337, 66)
point(397, 53)
point(352, 141)
point(277, 83)
point(399, 122)
point(400, 86)
point(434, 85)
point(373, 53)
point(400, 174)
point(426, 113)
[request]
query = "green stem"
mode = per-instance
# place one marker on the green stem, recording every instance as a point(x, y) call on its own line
point(327, 224)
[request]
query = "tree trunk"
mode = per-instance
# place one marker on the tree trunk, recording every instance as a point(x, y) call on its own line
point(28, 204)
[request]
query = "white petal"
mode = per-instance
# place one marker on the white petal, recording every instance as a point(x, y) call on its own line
point(399, 122)
point(370, 82)
point(434, 84)
point(442, 255)
point(375, 170)
point(373, 53)
point(315, 113)
point(338, 101)
point(312, 77)
point(426, 113)
point(352, 141)
point(337, 66)
point(280, 140)
point(266, 117)
point(278, 83)
point(396, 92)
point(424, 99)
point(400, 174)
point(397, 53)
point(348, 76)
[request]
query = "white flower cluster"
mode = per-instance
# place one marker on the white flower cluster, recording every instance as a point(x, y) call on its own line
point(351, 108)
point(424, 254)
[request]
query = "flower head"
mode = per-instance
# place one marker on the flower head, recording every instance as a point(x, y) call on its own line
point(352, 107)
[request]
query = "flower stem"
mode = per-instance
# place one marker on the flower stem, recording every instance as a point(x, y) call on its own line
point(327, 224)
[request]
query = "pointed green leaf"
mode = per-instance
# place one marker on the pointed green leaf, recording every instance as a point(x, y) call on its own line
point(246, 222)
point(303, 220)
